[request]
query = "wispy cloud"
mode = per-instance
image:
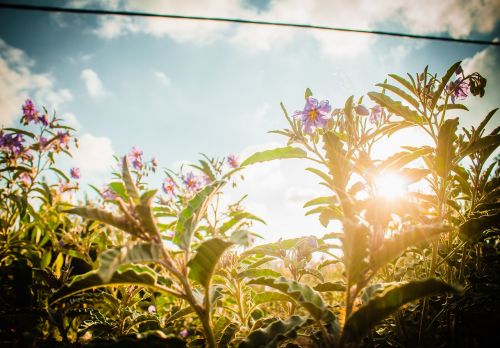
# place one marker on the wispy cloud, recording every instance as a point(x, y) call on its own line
point(93, 83)
point(163, 78)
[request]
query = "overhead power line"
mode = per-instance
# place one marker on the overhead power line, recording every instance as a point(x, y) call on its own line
point(24, 7)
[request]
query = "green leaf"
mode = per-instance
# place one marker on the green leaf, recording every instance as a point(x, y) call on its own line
point(484, 122)
point(125, 275)
point(202, 265)
point(403, 81)
point(20, 131)
point(452, 107)
point(179, 314)
point(322, 175)
point(392, 248)
point(258, 272)
point(274, 154)
point(129, 181)
point(400, 159)
point(274, 333)
point(445, 150)
point(191, 214)
point(396, 107)
point(481, 144)
point(329, 286)
point(442, 85)
point(111, 259)
point(472, 229)
point(270, 296)
point(145, 214)
point(227, 335)
point(301, 293)
point(104, 216)
point(400, 93)
point(320, 200)
point(60, 174)
point(359, 324)
point(119, 189)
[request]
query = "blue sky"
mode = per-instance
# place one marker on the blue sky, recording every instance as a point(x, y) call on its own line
point(179, 88)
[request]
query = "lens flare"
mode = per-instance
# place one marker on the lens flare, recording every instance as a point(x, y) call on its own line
point(391, 186)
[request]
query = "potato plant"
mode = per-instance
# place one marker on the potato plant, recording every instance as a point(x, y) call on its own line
point(182, 268)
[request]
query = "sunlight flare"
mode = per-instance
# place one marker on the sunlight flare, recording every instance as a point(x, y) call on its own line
point(391, 186)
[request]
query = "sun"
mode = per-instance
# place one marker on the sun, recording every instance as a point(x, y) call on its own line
point(391, 186)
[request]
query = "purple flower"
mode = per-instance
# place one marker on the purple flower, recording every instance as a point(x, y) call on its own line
point(232, 161)
point(375, 114)
point(459, 89)
point(169, 187)
point(314, 115)
point(107, 193)
point(44, 119)
point(29, 112)
point(62, 140)
point(154, 162)
point(184, 333)
point(135, 157)
point(43, 141)
point(12, 143)
point(361, 110)
point(191, 182)
point(75, 173)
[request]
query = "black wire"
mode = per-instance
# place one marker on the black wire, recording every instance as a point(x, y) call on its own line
point(240, 21)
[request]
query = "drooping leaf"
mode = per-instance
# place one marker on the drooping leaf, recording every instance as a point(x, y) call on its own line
point(320, 200)
point(125, 275)
point(274, 333)
point(113, 258)
point(452, 107)
point(180, 314)
point(228, 335)
point(145, 214)
point(383, 305)
point(202, 265)
point(301, 293)
point(189, 216)
point(481, 144)
point(445, 150)
point(396, 107)
point(274, 154)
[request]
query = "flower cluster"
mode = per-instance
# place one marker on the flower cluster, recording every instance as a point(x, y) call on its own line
point(32, 115)
point(135, 157)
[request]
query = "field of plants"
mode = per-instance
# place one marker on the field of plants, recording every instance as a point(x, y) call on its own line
point(130, 265)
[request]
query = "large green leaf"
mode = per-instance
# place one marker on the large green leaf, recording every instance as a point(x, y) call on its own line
point(445, 150)
point(270, 296)
point(191, 214)
point(111, 259)
point(202, 265)
point(274, 333)
point(396, 107)
point(329, 286)
point(125, 275)
point(380, 307)
point(302, 293)
point(400, 159)
point(392, 248)
point(104, 216)
point(274, 154)
point(400, 93)
point(258, 272)
point(145, 214)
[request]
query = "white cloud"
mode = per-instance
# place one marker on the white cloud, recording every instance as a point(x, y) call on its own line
point(163, 78)
point(94, 156)
point(459, 18)
point(18, 82)
point(93, 83)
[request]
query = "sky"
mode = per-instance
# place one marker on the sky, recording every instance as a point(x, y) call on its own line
point(177, 88)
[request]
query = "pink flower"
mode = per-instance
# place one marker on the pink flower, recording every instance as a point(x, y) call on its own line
point(184, 333)
point(75, 173)
point(25, 179)
point(191, 182)
point(135, 157)
point(107, 193)
point(169, 187)
point(29, 112)
point(376, 114)
point(232, 161)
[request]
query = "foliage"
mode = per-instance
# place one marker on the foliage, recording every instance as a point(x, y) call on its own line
point(178, 267)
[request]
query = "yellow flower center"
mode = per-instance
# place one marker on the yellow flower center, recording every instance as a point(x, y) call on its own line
point(312, 115)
